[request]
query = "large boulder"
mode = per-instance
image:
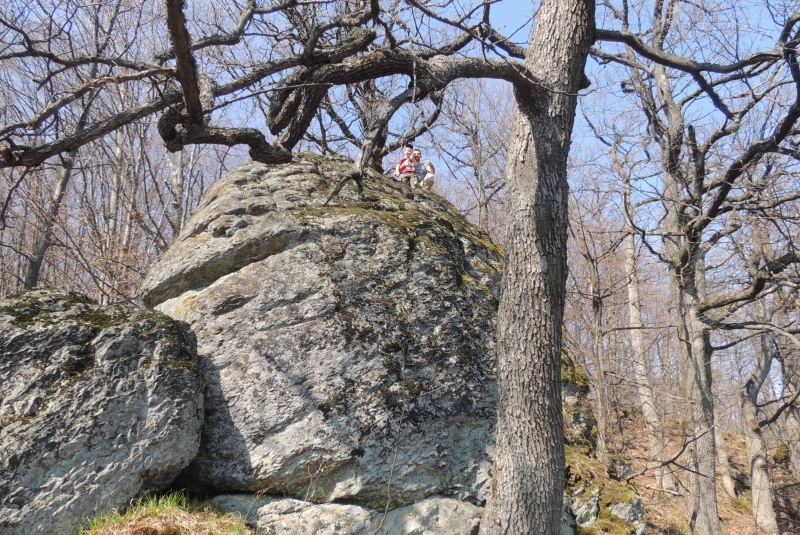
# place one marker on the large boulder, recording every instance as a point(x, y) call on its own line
point(347, 349)
point(97, 404)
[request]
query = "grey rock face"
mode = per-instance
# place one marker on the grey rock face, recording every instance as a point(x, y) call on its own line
point(579, 420)
point(346, 348)
point(97, 404)
point(586, 511)
point(633, 512)
point(432, 516)
point(568, 524)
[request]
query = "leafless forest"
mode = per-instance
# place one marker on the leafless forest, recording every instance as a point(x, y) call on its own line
point(684, 175)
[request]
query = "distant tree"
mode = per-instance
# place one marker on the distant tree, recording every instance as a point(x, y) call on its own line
point(707, 128)
point(472, 136)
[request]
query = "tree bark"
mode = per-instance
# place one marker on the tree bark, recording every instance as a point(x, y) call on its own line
point(528, 480)
point(477, 166)
point(700, 411)
point(687, 274)
point(792, 427)
point(176, 190)
point(790, 365)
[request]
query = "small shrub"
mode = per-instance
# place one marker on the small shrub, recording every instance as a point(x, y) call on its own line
point(781, 454)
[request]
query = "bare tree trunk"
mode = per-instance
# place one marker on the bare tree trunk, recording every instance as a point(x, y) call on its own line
point(652, 421)
point(696, 354)
point(483, 202)
point(763, 509)
point(792, 426)
point(45, 238)
point(528, 480)
point(176, 191)
point(702, 418)
point(723, 466)
point(43, 243)
point(477, 166)
point(599, 357)
point(790, 364)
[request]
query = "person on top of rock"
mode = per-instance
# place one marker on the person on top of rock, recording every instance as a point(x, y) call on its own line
point(405, 166)
point(424, 173)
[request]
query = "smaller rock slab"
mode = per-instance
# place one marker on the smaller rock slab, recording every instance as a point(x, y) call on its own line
point(432, 516)
point(97, 404)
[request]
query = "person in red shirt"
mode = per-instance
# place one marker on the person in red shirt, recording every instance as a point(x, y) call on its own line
point(405, 166)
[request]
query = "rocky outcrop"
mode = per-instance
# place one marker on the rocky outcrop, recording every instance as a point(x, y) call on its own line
point(632, 512)
point(580, 426)
point(595, 501)
point(97, 404)
point(432, 516)
point(347, 349)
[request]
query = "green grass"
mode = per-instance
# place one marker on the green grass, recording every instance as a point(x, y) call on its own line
point(167, 514)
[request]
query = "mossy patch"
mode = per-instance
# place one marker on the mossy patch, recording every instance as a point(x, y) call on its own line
point(389, 498)
point(408, 223)
point(5, 421)
point(781, 455)
point(182, 364)
point(570, 373)
point(98, 319)
point(40, 306)
point(743, 504)
point(590, 474)
point(607, 524)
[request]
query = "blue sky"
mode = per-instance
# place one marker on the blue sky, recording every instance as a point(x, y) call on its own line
point(510, 16)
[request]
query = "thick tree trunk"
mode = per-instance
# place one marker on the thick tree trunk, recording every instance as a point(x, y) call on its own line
point(701, 420)
point(688, 282)
point(528, 479)
point(696, 352)
point(652, 421)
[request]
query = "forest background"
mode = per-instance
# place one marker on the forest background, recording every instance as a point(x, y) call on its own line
point(683, 171)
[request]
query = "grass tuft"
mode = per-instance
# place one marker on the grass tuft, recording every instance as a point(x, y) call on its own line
point(167, 514)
